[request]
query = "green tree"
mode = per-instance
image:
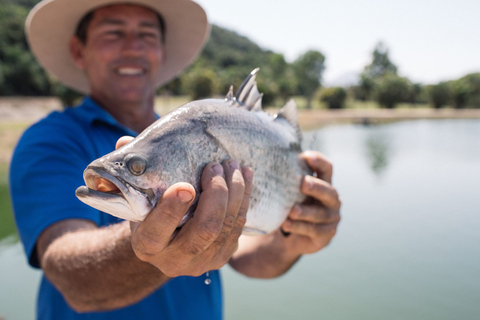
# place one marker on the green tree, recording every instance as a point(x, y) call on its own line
point(200, 83)
point(381, 63)
point(466, 91)
point(364, 90)
point(334, 97)
point(392, 89)
point(21, 74)
point(308, 70)
point(440, 94)
point(282, 77)
point(379, 66)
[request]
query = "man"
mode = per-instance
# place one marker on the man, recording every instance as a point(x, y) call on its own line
point(97, 266)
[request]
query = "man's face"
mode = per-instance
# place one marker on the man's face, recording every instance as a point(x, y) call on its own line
point(123, 53)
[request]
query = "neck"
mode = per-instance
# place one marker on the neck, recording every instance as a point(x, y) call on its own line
point(135, 115)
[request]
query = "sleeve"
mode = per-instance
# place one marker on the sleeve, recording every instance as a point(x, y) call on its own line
point(46, 168)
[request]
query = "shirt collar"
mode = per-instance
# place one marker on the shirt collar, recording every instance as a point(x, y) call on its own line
point(93, 112)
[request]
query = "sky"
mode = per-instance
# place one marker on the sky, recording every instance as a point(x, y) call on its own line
point(429, 41)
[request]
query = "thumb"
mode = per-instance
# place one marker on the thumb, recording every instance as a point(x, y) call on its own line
point(155, 232)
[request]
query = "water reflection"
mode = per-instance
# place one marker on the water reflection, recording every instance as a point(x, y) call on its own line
point(377, 151)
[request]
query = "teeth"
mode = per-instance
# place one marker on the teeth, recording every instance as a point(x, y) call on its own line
point(130, 71)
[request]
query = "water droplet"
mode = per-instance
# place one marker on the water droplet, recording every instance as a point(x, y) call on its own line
point(207, 280)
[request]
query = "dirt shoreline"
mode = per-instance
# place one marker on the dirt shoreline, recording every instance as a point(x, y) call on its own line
point(17, 113)
point(31, 109)
point(310, 119)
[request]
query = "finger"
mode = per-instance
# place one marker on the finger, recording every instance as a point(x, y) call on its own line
point(205, 226)
point(123, 141)
point(320, 164)
point(236, 188)
point(247, 174)
point(311, 230)
point(310, 213)
point(322, 191)
point(155, 232)
point(232, 241)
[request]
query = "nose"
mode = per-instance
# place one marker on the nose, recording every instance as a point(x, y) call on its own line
point(133, 44)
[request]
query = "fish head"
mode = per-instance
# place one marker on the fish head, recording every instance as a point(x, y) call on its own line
point(128, 182)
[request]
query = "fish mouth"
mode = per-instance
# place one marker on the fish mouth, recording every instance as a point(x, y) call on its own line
point(114, 195)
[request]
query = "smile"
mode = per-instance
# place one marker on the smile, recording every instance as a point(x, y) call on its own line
point(130, 71)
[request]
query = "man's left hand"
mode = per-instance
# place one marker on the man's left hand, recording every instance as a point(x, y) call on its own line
point(312, 224)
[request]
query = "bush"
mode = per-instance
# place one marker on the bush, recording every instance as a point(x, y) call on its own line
point(392, 89)
point(466, 91)
point(440, 95)
point(200, 83)
point(334, 97)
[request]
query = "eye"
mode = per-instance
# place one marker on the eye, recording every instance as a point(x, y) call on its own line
point(113, 34)
point(136, 164)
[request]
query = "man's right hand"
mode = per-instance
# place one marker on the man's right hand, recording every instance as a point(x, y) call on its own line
point(208, 240)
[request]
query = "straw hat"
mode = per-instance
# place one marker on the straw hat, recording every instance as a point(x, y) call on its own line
point(51, 24)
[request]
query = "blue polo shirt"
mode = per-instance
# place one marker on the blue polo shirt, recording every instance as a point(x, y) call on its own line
point(46, 168)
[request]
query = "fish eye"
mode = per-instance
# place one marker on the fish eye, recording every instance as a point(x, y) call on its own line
point(136, 164)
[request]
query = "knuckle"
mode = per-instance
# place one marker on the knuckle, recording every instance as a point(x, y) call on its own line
point(229, 222)
point(193, 249)
point(241, 220)
point(210, 230)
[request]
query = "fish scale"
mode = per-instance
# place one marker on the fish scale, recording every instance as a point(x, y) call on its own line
point(178, 146)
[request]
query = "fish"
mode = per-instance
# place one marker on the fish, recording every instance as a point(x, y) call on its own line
point(128, 182)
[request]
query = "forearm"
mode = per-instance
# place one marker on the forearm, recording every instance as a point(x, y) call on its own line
point(266, 256)
point(96, 269)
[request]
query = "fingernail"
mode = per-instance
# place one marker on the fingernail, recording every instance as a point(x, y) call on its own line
point(308, 180)
point(218, 169)
point(184, 196)
point(233, 164)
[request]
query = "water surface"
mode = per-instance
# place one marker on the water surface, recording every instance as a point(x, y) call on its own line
point(408, 246)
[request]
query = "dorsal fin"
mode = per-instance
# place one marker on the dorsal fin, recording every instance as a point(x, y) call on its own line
point(247, 95)
point(289, 113)
point(258, 104)
point(229, 95)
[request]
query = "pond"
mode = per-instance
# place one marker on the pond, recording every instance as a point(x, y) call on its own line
point(408, 246)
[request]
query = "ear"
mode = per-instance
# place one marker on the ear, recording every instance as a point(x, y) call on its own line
point(76, 51)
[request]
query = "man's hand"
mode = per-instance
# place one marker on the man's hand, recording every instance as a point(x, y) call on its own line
point(310, 225)
point(313, 223)
point(208, 240)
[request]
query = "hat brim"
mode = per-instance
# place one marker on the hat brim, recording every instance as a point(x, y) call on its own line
point(51, 24)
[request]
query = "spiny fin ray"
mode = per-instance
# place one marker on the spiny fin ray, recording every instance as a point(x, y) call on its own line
point(248, 96)
point(289, 113)
point(229, 95)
